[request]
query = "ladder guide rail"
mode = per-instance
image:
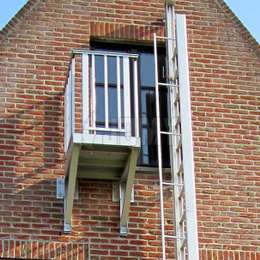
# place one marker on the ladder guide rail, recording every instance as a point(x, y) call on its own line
point(180, 140)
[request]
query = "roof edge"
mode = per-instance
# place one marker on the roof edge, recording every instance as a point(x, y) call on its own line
point(14, 21)
point(246, 33)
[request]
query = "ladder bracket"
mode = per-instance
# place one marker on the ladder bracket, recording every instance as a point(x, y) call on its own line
point(67, 228)
point(60, 189)
point(116, 192)
point(123, 231)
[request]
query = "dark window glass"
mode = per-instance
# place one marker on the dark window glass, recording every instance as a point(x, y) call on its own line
point(148, 154)
point(100, 94)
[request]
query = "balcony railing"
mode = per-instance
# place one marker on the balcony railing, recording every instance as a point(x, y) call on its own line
point(108, 91)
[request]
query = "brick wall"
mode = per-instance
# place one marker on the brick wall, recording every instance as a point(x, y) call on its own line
point(225, 84)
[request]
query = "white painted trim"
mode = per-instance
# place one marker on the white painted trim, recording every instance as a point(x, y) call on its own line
point(127, 103)
point(85, 92)
point(136, 99)
point(108, 53)
point(187, 144)
point(73, 93)
point(93, 91)
point(106, 140)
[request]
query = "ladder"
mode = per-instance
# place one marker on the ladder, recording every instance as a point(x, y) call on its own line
point(182, 181)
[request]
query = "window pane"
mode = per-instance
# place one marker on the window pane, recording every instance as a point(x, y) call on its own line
point(112, 106)
point(99, 66)
point(100, 106)
point(147, 69)
point(112, 72)
point(148, 155)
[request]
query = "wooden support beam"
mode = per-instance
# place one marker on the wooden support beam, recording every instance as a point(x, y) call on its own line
point(126, 185)
point(70, 183)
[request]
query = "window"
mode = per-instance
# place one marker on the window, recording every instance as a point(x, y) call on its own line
point(148, 155)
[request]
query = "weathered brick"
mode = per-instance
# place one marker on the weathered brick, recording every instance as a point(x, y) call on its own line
point(224, 73)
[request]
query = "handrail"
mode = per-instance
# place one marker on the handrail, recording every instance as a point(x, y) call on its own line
point(108, 53)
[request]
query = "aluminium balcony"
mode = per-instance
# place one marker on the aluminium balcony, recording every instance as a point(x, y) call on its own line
point(101, 124)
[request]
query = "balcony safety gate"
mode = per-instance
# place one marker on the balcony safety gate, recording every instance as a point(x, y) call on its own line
point(101, 124)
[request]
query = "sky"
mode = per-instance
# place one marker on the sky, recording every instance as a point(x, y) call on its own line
point(248, 12)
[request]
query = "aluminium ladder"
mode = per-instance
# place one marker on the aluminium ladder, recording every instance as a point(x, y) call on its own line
point(180, 141)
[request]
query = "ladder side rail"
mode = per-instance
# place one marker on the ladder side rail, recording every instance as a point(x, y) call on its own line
point(159, 147)
point(187, 145)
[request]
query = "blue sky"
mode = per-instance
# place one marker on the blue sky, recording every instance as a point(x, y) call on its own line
point(248, 12)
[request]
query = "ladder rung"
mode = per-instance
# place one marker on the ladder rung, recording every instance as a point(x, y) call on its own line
point(180, 170)
point(178, 145)
point(166, 38)
point(177, 122)
point(174, 52)
point(174, 74)
point(172, 184)
point(174, 237)
point(167, 84)
point(177, 98)
point(169, 133)
point(181, 192)
point(182, 218)
point(183, 244)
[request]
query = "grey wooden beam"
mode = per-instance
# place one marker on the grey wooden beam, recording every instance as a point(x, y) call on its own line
point(126, 186)
point(70, 183)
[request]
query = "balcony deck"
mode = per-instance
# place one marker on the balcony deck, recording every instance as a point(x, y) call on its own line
point(102, 92)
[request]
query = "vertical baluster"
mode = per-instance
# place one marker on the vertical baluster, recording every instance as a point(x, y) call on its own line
point(85, 92)
point(127, 102)
point(93, 86)
point(136, 99)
